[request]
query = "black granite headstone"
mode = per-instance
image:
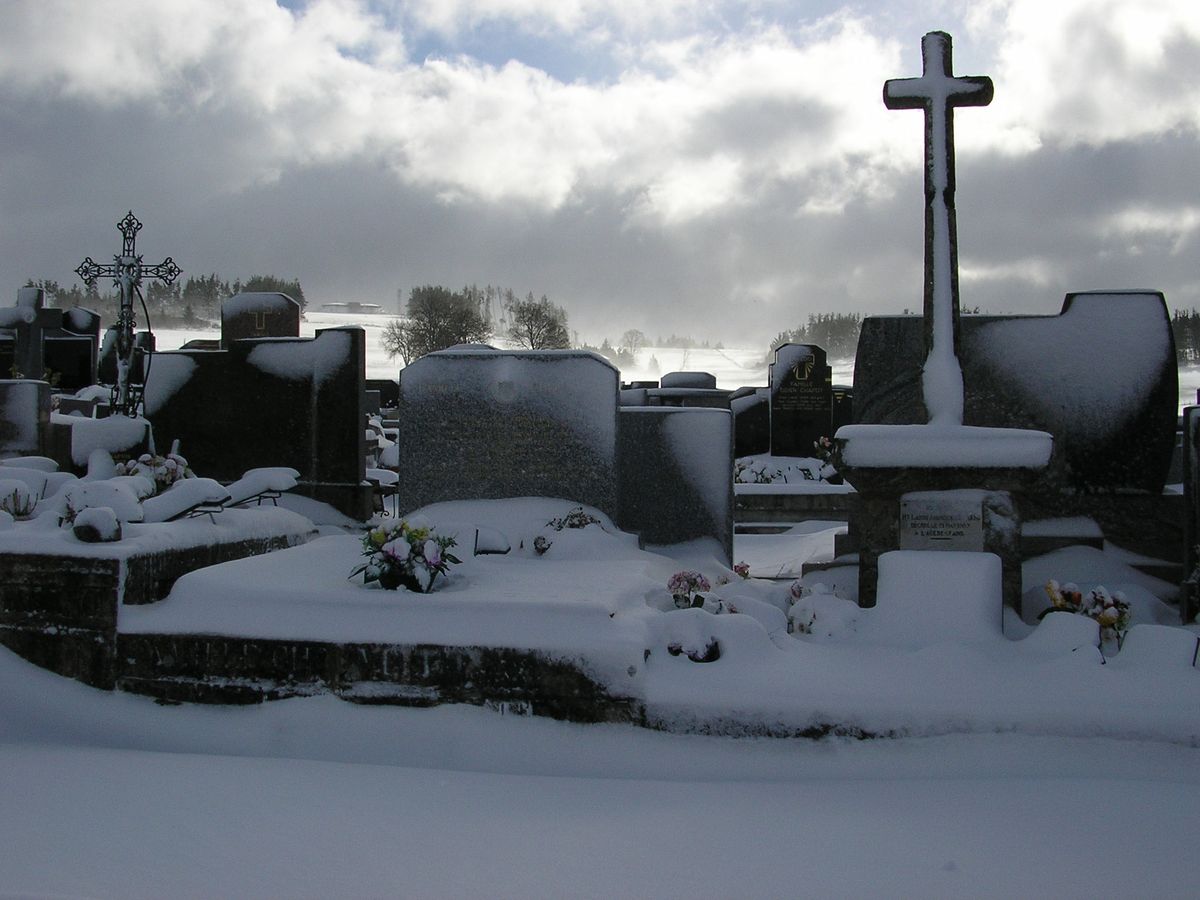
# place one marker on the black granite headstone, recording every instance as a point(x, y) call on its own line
point(801, 399)
point(258, 314)
point(751, 408)
point(271, 402)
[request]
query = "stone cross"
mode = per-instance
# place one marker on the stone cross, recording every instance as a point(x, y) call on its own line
point(937, 92)
point(127, 273)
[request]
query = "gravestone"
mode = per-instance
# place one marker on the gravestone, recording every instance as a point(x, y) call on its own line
point(700, 380)
point(918, 484)
point(674, 466)
point(24, 417)
point(751, 409)
point(389, 391)
point(42, 342)
point(801, 384)
point(295, 402)
point(843, 406)
point(1189, 596)
point(487, 424)
point(258, 314)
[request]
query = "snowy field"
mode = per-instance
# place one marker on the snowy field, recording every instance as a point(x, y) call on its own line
point(733, 367)
point(1032, 767)
point(112, 796)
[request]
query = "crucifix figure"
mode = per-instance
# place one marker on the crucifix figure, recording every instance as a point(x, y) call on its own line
point(937, 92)
point(127, 273)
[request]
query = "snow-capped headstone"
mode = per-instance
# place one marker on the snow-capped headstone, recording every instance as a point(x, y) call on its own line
point(292, 402)
point(674, 466)
point(40, 341)
point(801, 399)
point(751, 408)
point(488, 424)
point(24, 417)
point(258, 314)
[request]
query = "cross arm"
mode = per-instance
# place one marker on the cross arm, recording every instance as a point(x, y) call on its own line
point(166, 270)
point(89, 270)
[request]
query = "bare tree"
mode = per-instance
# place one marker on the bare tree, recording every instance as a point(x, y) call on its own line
point(538, 324)
point(437, 318)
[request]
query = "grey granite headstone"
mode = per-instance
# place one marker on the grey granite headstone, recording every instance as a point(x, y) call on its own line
point(675, 483)
point(489, 424)
point(24, 417)
point(801, 399)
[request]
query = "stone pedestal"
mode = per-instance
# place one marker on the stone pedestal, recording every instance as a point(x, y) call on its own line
point(961, 508)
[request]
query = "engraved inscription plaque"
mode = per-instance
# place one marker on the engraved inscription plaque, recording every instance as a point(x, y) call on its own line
point(948, 522)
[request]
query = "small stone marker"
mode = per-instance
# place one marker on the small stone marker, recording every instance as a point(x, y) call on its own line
point(801, 399)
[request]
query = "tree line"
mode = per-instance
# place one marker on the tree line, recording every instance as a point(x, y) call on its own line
point(836, 333)
point(1186, 328)
point(192, 302)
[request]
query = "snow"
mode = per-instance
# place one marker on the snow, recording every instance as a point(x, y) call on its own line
point(254, 301)
point(168, 373)
point(183, 495)
point(1042, 355)
point(1019, 758)
point(943, 446)
point(112, 433)
point(259, 481)
point(298, 359)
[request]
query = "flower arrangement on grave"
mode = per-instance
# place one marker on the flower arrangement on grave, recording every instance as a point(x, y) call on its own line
point(744, 473)
point(406, 554)
point(541, 544)
point(1111, 611)
point(576, 518)
point(742, 570)
point(162, 471)
point(688, 590)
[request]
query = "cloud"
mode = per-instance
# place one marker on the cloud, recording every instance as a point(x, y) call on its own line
point(730, 154)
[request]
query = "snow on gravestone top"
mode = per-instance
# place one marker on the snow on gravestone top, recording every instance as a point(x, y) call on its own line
point(489, 424)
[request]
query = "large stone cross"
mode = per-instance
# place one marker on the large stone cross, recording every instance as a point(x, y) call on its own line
point(937, 92)
point(127, 273)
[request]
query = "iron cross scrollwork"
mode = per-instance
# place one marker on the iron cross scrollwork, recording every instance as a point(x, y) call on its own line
point(127, 272)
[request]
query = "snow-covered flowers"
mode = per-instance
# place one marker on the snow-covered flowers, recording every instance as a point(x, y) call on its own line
point(742, 569)
point(405, 554)
point(688, 590)
point(1111, 611)
point(162, 471)
point(576, 518)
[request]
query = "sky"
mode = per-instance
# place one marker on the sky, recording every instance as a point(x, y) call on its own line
point(698, 167)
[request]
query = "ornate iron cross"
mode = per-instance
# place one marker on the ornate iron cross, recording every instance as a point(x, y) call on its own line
point(937, 92)
point(127, 273)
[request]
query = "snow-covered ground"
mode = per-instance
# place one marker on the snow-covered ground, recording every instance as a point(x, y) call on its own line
point(112, 796)
point(1025, 761)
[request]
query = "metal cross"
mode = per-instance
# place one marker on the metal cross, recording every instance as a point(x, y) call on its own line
point(127, 273)
point(937, 92)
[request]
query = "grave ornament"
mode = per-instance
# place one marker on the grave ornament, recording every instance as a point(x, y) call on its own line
point(127, 272)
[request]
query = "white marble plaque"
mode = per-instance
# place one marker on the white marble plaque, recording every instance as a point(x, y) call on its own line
point(946, 522)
